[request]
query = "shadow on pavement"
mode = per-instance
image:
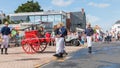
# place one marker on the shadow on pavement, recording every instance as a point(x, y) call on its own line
point(47, 52)
point(18, 53)
point(27, 59)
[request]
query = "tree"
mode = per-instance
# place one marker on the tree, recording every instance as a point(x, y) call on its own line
point(30, 6)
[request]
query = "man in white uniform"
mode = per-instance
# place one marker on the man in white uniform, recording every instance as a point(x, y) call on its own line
point(89, 33)
point(60, 41)
point(5, 36)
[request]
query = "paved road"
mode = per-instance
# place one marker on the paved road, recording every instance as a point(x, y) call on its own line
point(16, 57)
point(103, 56)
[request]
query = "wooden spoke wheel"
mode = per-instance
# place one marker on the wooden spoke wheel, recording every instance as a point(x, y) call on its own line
point(31, 44)
point(43, 45)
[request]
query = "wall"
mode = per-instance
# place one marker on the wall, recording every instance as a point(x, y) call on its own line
point(78, 20)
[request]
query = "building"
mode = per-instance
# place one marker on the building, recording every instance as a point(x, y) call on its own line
point(48, 19)
point(78, 20)
point(116, 27)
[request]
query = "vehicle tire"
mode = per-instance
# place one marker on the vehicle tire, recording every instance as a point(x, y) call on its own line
point(75, 42)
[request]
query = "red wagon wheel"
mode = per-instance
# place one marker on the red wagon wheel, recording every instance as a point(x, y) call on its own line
point(43, 45)
point(31, 44)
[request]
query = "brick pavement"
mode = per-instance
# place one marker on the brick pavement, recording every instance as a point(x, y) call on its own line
point(18, 59)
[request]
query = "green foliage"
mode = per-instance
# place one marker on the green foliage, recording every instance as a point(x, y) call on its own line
point(94, 30)
point(30, 6)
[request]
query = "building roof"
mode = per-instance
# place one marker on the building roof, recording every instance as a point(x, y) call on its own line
point(118, 22)
point(37, 13)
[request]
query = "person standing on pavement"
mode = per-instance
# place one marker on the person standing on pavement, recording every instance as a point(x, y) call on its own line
point(60, 41)
point(13, 33)
point(118, 36)
point(63, 34)
point(89, 33)
point(54, 34)
point(108, 36)
point(83, 36)
point(56, 30)
point(5, 35)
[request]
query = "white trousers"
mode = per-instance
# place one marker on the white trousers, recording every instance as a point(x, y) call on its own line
point(60, 45)
point(5, 41)
point(89, 41)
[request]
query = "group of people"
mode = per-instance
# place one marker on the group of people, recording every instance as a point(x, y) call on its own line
point(8, 35)
point(108, 36)
point(15, 37)
point(111, 36)
point(60, 33)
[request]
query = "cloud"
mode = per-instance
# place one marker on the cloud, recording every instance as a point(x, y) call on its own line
point(62, 3)
point(99, 5)
point(92, 19)
point(46, 8)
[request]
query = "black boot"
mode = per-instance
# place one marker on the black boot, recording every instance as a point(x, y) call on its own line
point(65, 53)
point(56, 55)
point(6, 51)
point(1, 50)
point(90, 50)
point(60, 55)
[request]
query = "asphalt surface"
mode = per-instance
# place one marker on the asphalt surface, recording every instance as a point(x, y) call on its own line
point(104, 56)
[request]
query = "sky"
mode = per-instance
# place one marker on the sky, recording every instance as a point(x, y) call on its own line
point(98, 12)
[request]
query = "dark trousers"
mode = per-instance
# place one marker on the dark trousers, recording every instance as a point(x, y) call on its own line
point(89, 49)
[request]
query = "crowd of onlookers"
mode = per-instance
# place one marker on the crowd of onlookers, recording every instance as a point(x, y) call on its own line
point(106, 37)
point(14, 37)
point(98, 36)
